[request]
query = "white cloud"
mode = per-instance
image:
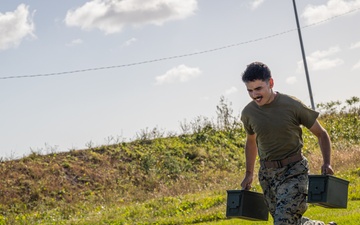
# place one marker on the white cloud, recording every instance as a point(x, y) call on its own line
point(319, 60)
point(75, 42)
point(256, 3)
point(291, 80)
point(356, 66)
point(180, 73)
point(317, 13)
point(15, 26)
point(130, 42)
point(355, 45)
point(111, 16)
point(231, 90)
point(325, 64)
point(321, 54)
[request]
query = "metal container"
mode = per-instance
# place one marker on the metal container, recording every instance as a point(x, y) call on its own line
point(246, 205)
point(328, 191)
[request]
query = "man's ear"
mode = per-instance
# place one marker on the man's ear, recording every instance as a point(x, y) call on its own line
point(271, 82)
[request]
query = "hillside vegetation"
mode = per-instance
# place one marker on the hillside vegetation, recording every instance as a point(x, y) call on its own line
point(158, 178)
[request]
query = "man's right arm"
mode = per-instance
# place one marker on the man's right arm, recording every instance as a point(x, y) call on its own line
point(250, 156)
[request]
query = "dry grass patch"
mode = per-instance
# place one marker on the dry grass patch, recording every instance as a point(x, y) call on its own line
point(341, 160)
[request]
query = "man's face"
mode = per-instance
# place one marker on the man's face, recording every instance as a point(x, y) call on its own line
point(260, 91)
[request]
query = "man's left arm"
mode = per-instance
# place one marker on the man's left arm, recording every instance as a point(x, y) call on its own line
point(325, 146)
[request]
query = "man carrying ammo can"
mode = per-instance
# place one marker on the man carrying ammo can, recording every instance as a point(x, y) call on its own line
point(273, 122)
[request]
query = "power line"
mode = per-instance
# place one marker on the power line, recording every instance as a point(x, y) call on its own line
point(145, 62)
point(172, 57)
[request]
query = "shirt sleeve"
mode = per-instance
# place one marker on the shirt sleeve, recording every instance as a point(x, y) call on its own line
point(307, 116)
point(246, 124)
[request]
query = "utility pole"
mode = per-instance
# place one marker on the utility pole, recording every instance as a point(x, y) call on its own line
point(304, 57)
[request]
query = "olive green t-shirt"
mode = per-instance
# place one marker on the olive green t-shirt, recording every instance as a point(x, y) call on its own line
point(277, 126)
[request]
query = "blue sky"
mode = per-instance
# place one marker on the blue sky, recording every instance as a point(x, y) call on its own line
point(79, 72)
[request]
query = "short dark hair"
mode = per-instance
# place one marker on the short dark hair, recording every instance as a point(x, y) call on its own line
point(256, 71)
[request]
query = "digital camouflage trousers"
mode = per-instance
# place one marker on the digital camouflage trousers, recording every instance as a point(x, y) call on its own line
point(285, 190)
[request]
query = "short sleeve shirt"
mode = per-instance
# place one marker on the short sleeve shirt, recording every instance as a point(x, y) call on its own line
point(277, 126)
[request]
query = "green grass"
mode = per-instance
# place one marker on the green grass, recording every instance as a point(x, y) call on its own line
point(205, 208)
point(348, 216)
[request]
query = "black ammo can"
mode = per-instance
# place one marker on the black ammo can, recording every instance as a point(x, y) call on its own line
point(246, 205)
point(328, 191)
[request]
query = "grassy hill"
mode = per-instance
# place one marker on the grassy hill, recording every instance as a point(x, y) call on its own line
point(161, 179)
